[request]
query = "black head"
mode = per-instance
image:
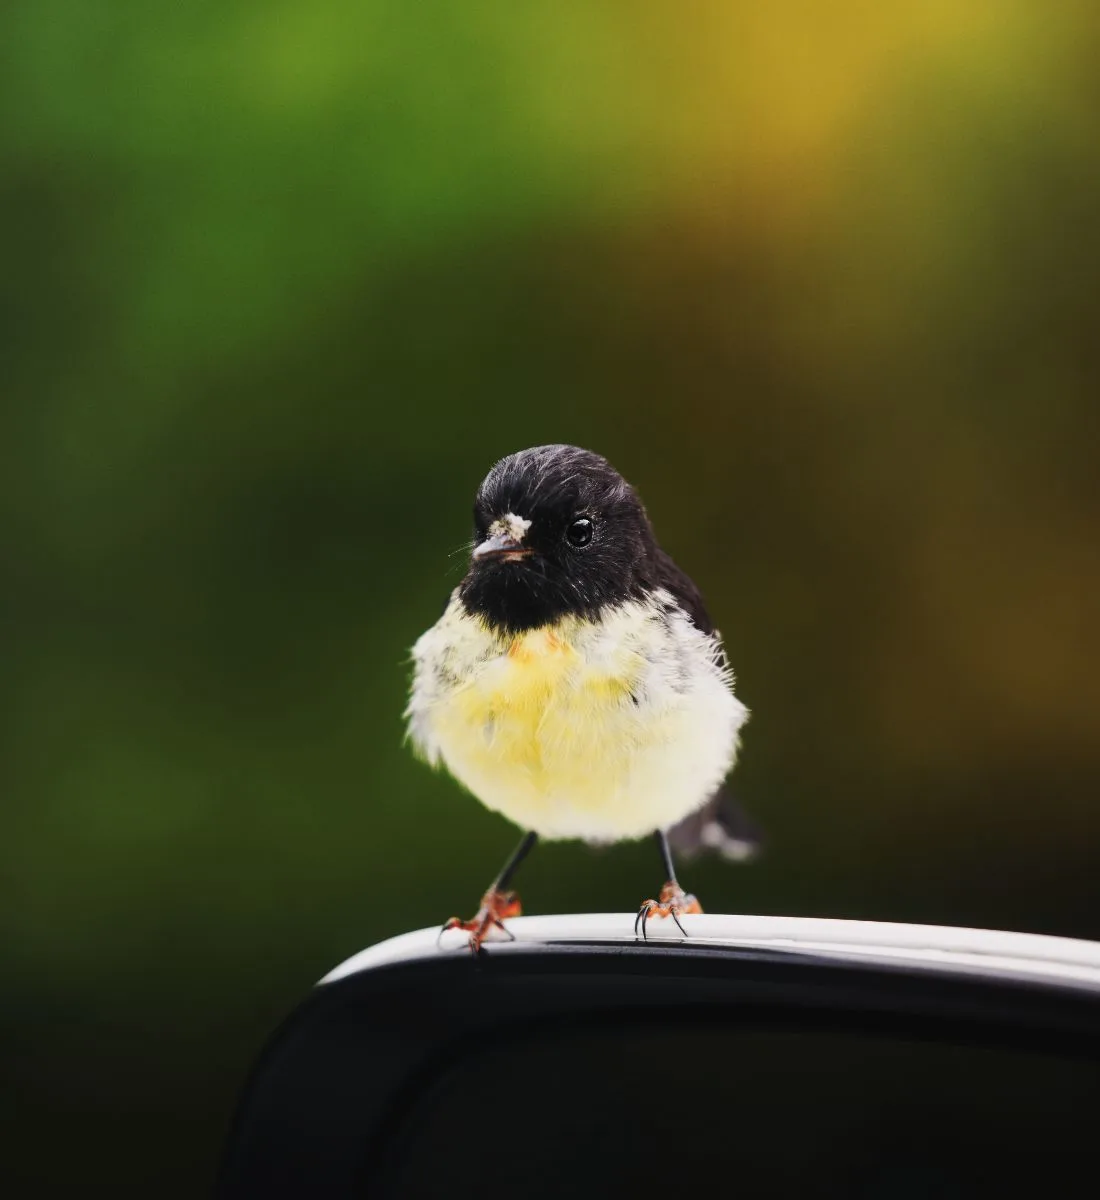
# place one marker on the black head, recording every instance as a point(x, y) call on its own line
point(557, 531)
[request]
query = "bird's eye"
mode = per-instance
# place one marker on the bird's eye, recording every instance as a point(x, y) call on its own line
point(579, 532)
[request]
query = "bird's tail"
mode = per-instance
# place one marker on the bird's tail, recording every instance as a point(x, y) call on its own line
point(721, 826)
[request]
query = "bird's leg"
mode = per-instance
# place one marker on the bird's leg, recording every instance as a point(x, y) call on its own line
point(498, 903)
point(673, 900)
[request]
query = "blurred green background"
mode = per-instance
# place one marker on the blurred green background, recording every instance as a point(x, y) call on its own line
point(280, 281)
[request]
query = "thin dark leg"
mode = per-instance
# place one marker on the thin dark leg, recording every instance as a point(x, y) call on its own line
point(498, 904)
point(666, 855)
point(518, 855)
point(672, 900)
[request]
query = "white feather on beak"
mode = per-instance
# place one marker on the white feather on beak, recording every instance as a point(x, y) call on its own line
point(505, 538)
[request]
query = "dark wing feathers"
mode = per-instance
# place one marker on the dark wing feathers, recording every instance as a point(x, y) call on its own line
point(721, 825)
point(668, 575)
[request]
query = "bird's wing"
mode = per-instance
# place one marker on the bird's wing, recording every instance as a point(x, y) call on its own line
point(722, 825)
point(669, 576)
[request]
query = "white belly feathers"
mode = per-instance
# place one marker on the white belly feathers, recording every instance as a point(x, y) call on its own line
point(600, 730)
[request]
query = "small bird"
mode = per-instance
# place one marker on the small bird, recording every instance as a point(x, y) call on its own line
point(575, 683)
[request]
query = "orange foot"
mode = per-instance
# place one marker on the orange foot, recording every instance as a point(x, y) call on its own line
point(673, 901)
point(496, 908)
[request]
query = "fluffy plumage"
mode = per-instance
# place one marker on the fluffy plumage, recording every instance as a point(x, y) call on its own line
point(575, 682)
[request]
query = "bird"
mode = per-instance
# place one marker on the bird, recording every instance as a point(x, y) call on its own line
point(575, 683)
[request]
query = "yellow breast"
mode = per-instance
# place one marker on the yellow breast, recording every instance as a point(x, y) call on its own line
point(540, 708)
point(598, 730)
point(540, 731)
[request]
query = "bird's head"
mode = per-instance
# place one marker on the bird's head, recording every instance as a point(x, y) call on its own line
point(557, 532)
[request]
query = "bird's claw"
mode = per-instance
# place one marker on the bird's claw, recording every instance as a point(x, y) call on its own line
point(496, 908)
point(672, 902)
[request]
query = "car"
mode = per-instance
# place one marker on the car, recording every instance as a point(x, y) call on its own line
point(758, 1056)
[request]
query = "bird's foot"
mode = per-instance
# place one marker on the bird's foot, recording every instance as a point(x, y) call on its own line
point(496, 908)
point(672, 902)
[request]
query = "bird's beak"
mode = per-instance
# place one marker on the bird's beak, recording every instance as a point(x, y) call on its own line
point(502, 546)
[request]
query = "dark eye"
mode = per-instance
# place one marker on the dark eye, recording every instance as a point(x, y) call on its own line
point(579, 532)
